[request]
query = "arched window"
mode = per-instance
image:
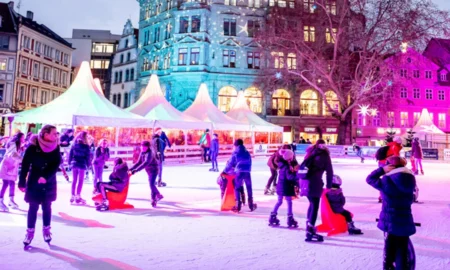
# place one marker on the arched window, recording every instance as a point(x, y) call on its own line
point(127, 75)
point(126, 43)
point(281, 101)
point(125, 100)
point(119, 100)
point(254, 99)
point(128, 57)
point(332, 99)
point(309, 103)
point(132, 75)
point(227, 97)
point(121, 58)
point(114, 101)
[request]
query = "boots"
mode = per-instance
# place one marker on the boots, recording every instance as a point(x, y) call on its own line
point(251, 205)
point(237, 207)
point(28, 237)
point(3, 207)
point(12, 203)
point(352, 229)
point(47, 234)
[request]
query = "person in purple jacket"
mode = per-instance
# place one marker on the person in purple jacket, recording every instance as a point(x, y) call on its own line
point(101, 156)
point(214, 152)
point(118, 181)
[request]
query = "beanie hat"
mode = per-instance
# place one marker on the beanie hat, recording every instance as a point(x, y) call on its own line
point(145, 143)
point(238, 142)
point(337, 180)
point(288, 154)
point(398, 139)
point(157, 130)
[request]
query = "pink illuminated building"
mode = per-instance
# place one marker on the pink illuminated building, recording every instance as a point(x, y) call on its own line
point(418, 83)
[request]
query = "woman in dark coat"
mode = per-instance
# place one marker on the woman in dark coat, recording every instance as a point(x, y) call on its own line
point(318, 161)
point(417, 153)
point(38, 179)
point(396, 184)
point(119, 179)
point(80, 159)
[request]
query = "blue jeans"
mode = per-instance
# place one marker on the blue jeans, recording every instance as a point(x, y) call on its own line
point(280, 202)
point(213, 156)
point(8, 183)
point(98, 175)
point(78, 176)
point(242, 177)
point(160, 169)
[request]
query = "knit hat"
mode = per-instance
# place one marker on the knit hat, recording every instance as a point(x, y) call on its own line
point(398, 139)
point(288, 155)
point(238, 142)
point(157, 130)
point(145, 143)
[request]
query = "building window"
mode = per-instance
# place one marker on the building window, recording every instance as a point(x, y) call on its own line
point(116, 77)
point(309, 103)
point(230, 2)
point(127, 75)
point(404, 119)
point(24, 67)
point(361, 120)
point(128, 57)
point(166, 64)
point(195, 56)
point(429, 94)
point(56, 78)
point(376, 120)
point(4, 42)
point(416, 93)
point(184, 25)
point(54, 95)
point(182, 56)
point(252, 28)
point(37, 47)
point(428, 74)
point(47, 74)
point(114, 101)
point(2, 91)
point(121, 58)
point(146, 37)
point(271, 3)
point(195, 24)
point(22, 93)
point(281, 102)
point(403, 92)
point(403, 73)
point(331, 7)
point(254, 99)
point(333, 100)
point(253, 60)
point(155, 63)
point(330, 37)
point(102, 48)
point(282, 3)
point(145, 64)
point(66, 59)
point(33, 95)
point(416, 117)
point(26, 42)
point(132, 74)
point(120, 76)
point(156, 34)
point(309, 33)
point(416, 73)
point(36, 70)
point(125, 100)
point(64, 79)
point(442, 122)
point(229, 27)
point(44, 97)
point(227, 97)
point(126, 43)
point(253, 3)
point(99, 64)
point(309, 6)
point(390, 119)
point(168, 31)
point(443, 77)
point(119, 100)
point(3, 64)
point(229, 58)
point(292, 61)
point(58, 55)
point(278, 60)
point(441, 94)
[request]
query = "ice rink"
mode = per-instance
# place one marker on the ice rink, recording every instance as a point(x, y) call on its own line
point(187, 230)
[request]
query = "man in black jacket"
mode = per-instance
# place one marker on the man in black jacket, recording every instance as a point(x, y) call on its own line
point(159, 143)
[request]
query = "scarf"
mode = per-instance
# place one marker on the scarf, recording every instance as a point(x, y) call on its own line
point(400, 170)
point(46, 146)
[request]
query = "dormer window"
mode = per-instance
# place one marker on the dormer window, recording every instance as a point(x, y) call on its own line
point(443, 77)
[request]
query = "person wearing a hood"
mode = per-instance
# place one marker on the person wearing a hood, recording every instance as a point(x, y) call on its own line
point(79, 158)
point(318, 161)
point(37, 179)
point(396, 184)
point(118, 180)
point(101, 156)
point(149, 160)
point(159, 148)
point(273, 166)
point(241, 163)
point(395, 146)
point(214, 152)
point(9, 169)
point(417, 153)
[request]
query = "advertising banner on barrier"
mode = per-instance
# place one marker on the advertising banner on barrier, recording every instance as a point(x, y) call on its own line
point(260, 149)
point(301, 149)
point(447, 154)
point(367, 151)
point(428, 153)
point(336, 150)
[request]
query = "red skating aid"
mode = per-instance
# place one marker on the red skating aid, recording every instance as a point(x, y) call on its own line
point(229, 200)
point(116, 200)
point(332, 223)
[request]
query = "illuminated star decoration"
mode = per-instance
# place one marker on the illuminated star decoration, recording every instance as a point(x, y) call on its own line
point(363, 109)
point(389, 83)
point(244, 28)
point(373, 112)
point(278, 75)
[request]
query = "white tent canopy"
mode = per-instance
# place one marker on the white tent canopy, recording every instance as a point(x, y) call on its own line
point(425, 125)
point(204, 109)
point(242, 113)
point(83, 104)
point(153, 106)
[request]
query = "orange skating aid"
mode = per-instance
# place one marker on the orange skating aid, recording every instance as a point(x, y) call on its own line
point(332, 223)
point(116, 199)
point(228, 200)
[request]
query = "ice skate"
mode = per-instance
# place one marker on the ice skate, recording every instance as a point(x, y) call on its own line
point(291, 222)
point(3, 207)
point(237, 207)
point(273, 191)
point(216, 170)
point(352, 230)
point(47, 234)
point(267, 191)
point(28, 237)
point(161, 184)
point(422, 172)
point(212, 170)
point(104, 206)
point(79, 200)
point(380, 200)
point(159, 197)
point(251, 205)
point(311, 234)
point(12, 203)
point(273, 220)
point(72, 199)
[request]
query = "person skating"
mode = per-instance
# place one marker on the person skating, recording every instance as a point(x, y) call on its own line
point(394, 146)
point(101, 156)
point(357, 149)
point(65, 142)
point(205, 143)
point(9, 169)
point(90, 168)
point(214, 152)
point(241, 162)
point(318, 161)
point(165, 142)
point(79, 158)
point(417, 153)
point(336, 199)
point(159, 148)
point(287, 183)
point(37, 179)
point(273, 166)
point(148, 160)
point(396, 184)
point(118, 180)
point(61, 166)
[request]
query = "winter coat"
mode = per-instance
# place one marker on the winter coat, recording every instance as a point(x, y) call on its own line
point(35, 164)
point(336, 199)
point(80, 156)
point(146, 161)
point(100, 158)
point(320, 163)
point(214, 147)
point(164, 141)
point(273, 160)
point(65, 140)
point(119, 177)
point(397, 188)
point(287, 179)
point(9, 167)
point(394, 150)
point(416, 150)
point(205, 141)
point(156, 139)
point(240, 161)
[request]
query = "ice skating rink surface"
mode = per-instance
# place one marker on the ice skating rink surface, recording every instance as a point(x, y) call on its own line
point(187, 230)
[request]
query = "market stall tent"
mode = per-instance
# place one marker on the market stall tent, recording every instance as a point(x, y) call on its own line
point(242, 113)
point(204, 109)
point(425, 125)
point(82, 104)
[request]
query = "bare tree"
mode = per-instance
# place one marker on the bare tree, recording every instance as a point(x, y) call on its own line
point(342, 46)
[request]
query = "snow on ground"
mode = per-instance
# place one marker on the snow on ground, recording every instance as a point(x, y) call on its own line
point(187, 231)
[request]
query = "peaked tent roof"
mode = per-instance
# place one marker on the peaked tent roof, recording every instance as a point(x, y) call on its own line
point(154, 106)
point(242, 113)
point(82, 105)
point(425, 125)
point(204, 109)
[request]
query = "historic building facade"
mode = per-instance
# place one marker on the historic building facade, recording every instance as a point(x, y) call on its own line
point(124, 68)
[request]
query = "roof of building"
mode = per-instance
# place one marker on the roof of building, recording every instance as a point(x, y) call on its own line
point(7, 24)
point(438, 58)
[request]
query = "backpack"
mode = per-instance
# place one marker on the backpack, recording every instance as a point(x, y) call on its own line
point(381, 153)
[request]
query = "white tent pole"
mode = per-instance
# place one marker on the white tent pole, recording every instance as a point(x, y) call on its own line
point(117, 136)
point(185, 143)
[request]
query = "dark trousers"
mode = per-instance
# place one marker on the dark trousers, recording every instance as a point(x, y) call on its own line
point(347, 215)
point(206, 154)
point(46, 214)
point(213, 157)
point(273, 178)
point(223, 188)
point(359, 154)
point(241, 178)
point(152, 182)
point(8, 183)
point(102, 187)
point(160, 170)
point(395, 250)
point(313, 209)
